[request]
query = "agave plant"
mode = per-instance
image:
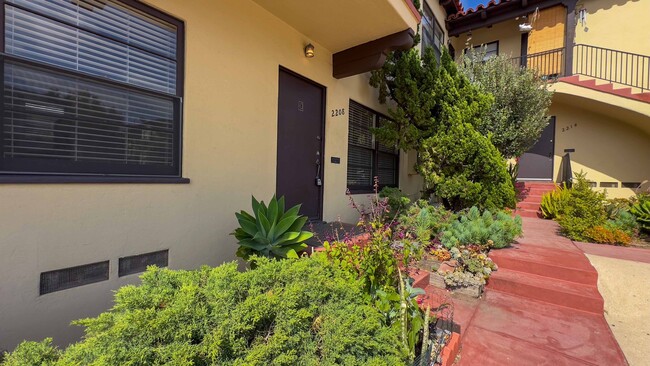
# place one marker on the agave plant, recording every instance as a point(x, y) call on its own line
point(271, 232)
point(641, 210)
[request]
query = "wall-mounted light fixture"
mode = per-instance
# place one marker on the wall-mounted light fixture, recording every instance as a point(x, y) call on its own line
point(309, 50)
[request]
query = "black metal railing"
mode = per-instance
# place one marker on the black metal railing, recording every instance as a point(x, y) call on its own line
point(550, 65)
point(615, 66)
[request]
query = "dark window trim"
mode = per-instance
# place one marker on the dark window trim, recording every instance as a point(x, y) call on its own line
point(375, 156)
point(44, 177)
point(433, 33)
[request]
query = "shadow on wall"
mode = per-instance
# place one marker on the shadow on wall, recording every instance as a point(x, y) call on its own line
point(593, 6)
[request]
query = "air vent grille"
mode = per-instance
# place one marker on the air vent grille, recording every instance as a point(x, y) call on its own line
point(139, 263)
point(66, 278)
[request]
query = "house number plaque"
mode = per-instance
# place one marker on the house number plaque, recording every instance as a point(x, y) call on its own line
point(338, 112)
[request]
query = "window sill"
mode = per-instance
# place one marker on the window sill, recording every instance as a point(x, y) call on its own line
point(54, 179)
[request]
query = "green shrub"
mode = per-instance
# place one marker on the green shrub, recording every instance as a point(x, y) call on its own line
point(497, 231)
point(397, 200)
point(641, 210)
point(615, 206)
point(625, 222)
point(32, 353)
point(425, 221)
point(553, 202)
point(584, 209)
point(292, 312)
point(605, 235)
point(462, 168)
point(271, 232)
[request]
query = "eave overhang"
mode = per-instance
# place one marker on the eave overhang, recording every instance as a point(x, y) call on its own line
point(496, 12)
point(371, 55)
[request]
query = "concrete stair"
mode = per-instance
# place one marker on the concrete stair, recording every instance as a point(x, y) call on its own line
point(530, 197)
point(550, 290)
point(606, 87)
point(558, 264)
point(541, 307)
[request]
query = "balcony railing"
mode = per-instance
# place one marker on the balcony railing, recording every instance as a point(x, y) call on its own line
point(618, 67)
point(614, 66)
point(549, 64)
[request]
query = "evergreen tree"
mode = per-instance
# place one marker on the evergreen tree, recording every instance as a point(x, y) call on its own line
point(434, 109)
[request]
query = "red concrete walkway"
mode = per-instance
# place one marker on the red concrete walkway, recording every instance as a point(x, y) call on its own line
point(542, 307)
point(617, 252)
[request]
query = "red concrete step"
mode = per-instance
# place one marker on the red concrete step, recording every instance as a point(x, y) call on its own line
point(565, 336)
point(482, 347)
point(643, 97)
point(536, 198)
point(533, 183)
point(531, 206)
point(527, 213)
point(546, 289)
point(539, 191)
point(562, 265)
point(606, 88)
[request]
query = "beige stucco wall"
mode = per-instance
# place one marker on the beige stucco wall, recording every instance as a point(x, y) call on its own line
point(507, 33)
point(607, 148)
point(233, 52)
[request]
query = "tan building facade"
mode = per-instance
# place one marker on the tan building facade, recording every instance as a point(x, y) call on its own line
point(595, 54)
point(236, 76)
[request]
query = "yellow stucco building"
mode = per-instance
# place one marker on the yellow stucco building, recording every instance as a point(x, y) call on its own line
point(133, 130)
point(596, 54)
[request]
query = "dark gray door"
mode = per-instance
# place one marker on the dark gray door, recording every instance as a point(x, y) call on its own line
point(537, 163)
point(300, 143)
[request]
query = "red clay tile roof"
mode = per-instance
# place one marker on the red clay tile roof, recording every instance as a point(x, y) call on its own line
point(461, 13)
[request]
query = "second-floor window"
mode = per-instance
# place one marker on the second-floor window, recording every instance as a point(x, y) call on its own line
point(90, 88)
point(491, 50)
point(367, 157)
point(432, 34)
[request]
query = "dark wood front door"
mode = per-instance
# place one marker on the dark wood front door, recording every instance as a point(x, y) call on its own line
point(301, 117)
point(537, 163)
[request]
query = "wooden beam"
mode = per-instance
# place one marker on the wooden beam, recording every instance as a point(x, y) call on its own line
point(371, 55)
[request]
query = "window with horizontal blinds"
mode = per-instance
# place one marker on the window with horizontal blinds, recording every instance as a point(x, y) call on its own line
point(367, 157)
point(90, 88)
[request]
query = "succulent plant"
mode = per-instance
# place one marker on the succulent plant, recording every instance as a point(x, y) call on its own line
point(641, 210)
point(271, 232)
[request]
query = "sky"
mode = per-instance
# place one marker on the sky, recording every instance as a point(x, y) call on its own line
point(472, 3)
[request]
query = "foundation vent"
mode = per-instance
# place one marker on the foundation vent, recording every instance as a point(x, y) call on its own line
point(139, 263)
point(609, 184)
point(62, 279)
